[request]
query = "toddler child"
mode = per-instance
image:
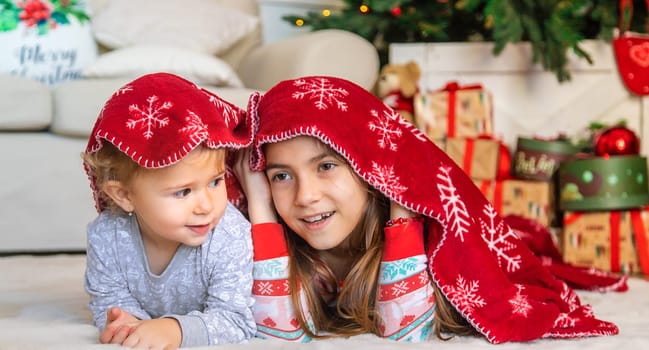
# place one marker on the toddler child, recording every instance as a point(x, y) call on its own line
point(169, 259)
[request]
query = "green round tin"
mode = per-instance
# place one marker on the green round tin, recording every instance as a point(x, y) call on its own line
point(603, 183)
point(538, 160)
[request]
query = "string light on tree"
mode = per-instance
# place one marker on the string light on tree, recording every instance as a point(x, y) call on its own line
point(554, 28)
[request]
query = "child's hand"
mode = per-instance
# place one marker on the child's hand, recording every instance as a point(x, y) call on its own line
point(159, 333)
point(117, 326)
point(397, 211)
point(255, 187)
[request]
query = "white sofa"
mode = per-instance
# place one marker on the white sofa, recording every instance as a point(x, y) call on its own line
point(45, 200)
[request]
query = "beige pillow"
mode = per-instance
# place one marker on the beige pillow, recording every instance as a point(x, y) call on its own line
point(135, 61)
point(199, 25)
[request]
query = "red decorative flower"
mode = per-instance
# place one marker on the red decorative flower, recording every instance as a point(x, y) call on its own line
point(34, 12)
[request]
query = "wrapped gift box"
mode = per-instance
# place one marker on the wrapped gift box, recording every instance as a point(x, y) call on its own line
point(603, 183)
point(454, 111)
point(480, 158)
point(536, 159)
point(609, 240)
point(530, 199)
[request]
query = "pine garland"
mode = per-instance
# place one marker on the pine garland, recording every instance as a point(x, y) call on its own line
point(554, 28)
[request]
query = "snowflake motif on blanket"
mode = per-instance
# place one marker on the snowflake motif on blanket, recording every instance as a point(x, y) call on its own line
point(230, 115)
point(569, 296)
point(124, 89)
point(148, 116)
point(386, 180)
point(520, 303)
point(497, 237)
point(384, 126)
point(564, 321)
point(465, 295)
point(322, 92)
point(196, 129)
point(454, 207)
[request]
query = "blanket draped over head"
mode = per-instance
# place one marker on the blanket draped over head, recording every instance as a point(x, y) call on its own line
point(477, 260)
point(157, 119)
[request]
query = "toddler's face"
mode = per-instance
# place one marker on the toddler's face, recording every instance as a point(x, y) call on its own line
point(183, 202)
point(316, 193)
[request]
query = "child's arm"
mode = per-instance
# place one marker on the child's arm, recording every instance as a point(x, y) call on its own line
point(227, 274)
point(104, 282)
point(273, 310)
point(406, 299)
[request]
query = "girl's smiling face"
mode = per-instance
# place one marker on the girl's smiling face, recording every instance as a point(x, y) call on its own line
point(315, 192)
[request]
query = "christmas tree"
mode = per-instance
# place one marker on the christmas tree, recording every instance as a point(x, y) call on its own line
point(553, 27)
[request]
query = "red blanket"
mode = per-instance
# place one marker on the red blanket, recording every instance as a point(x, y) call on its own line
point(477, 260)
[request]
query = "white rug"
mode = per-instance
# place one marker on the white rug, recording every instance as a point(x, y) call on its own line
point(43, 306)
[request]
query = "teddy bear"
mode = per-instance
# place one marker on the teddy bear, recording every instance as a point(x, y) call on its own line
point(397, 85)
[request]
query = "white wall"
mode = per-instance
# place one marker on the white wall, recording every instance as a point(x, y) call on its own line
point(274, 28)
point(528, 101)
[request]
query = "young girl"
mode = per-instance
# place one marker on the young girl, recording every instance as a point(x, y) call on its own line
point(169, 260)
point(357, 211)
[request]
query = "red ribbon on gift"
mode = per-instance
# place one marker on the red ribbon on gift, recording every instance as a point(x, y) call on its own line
point(497, 200)
point(640, 240)
point(452, 87)
point(639, 234)
point(504, 157)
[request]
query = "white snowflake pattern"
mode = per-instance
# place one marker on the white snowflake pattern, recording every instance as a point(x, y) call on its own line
point(400, 288)
point(520, 303)
point(124, 89)
point(229, 113)
point(423, 277)
point(465, 295)
point(569, 296)
point(454, 207)
point(500, 239)
point(564, 320)
point(322, 92)
point(196, 129)
point(148, 116)
point(386, 180)
point(265, 288)
point(386, 129)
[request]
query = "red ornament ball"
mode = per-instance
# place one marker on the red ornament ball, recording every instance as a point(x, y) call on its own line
point(396, 11)
point(617, 140)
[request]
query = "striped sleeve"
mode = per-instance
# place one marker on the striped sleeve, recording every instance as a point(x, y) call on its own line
point(406, 299)
point(273, 310)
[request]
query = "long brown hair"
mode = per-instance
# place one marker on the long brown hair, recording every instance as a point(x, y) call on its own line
point(311, 281)
point(355, 310)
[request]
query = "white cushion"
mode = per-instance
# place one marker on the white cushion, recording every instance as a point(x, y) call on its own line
point(199, 25)
point(25, 104)
point(52, 45)
point(139, 60)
